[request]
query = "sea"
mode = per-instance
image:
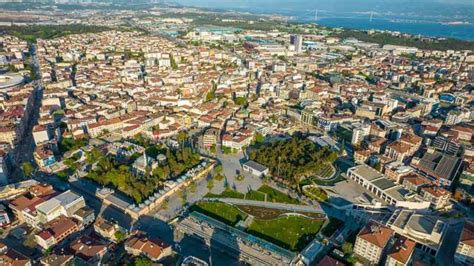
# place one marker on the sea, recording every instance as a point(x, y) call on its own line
point(434, 18)
point(432, 29)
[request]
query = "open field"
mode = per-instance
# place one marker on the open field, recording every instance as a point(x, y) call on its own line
point(264, 192)
point(255, 195)
point(268, 214)
point(227, 193)
point(291, 232)
point(274, 195)
point(220, 211)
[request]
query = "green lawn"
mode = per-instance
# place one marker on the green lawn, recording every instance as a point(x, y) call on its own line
point(220, 211)
point(291, 232)
point(274, 195)
point(227, 193)
point(255, 195)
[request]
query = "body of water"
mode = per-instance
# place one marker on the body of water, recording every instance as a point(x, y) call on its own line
point(423, 17)
point(461, 31)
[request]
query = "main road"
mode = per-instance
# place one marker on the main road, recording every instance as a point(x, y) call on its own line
point(24, 148)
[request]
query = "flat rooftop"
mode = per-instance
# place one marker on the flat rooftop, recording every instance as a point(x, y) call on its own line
point(384, 183)
point(366, 172)
point(256, 166)
point(398, 193)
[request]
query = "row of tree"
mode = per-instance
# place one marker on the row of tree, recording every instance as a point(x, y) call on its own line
point(109, 172)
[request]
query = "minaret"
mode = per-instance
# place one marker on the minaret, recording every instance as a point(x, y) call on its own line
point(145, 159)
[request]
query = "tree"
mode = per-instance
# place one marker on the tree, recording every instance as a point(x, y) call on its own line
point(210, 96)
point(165, 204)
point(27, 169)
point(119, 236)
point(213, 148)
point(142, 261)
point(332, 157)
point(210, 184)
point(347, 248)
point(219, 177)
point(193, 187)
point(182, 136)
point(242, 101)
point(174, 66)
point(183, 196)
point(259, 138)
point(378, 166)
point(218, 169)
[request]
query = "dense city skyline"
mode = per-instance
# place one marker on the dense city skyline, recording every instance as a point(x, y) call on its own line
point(155, 133)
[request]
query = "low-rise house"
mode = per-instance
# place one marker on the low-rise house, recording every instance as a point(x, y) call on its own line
point(57, 260)
point(154, 249)
point(44, 155)
point(9, 256)
point(90, 250)
point(255, 168)
point(361, 156)
point(414, 182)
point(108, 229)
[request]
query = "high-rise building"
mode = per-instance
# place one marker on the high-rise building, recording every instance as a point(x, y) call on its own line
point(297, 42)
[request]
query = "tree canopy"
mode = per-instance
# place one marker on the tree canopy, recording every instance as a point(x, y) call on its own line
point(111, 172)
point(292, 159)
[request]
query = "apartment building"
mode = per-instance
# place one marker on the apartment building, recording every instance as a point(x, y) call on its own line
point(56, 231)
point(65, 204)
point(401, 252)
point(372, 242)
point(465, 250)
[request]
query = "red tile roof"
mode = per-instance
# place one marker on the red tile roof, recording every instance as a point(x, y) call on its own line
point(402, 249)
point(467, 236)
point(376, 234)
